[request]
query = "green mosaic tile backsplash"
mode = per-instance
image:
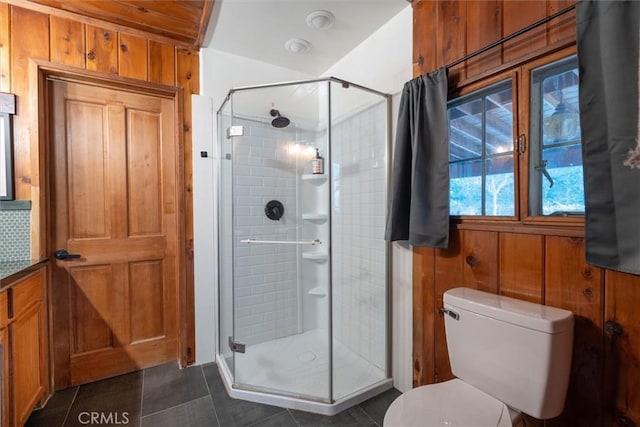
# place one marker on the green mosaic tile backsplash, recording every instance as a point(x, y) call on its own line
point(15, 235)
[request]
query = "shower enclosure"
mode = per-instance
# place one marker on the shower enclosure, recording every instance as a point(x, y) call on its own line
point(303, 286)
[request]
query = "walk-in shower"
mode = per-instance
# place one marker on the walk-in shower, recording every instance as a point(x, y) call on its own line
point(303, 286)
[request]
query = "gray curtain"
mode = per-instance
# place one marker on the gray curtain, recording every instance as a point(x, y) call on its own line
point(419, 209)
point(608, 35)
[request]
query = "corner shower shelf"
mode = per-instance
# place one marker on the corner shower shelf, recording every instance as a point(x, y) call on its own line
point(318, 291)
point(315, 216)
point(317, 178)
point(315, 256)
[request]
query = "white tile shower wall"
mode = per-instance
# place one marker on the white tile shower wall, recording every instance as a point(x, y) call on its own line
point(359, 156)
point(15, 235)
point(265, 275)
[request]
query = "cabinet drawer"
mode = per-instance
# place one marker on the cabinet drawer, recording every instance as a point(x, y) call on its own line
point(27, 292)
point(4, 307)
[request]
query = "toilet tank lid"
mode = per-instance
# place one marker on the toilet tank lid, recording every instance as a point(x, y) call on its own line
point(542, 318)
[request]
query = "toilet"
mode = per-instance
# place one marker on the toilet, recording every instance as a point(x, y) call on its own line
point(509, 356)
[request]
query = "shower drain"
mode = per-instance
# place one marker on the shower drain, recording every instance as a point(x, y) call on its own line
point(307, 356)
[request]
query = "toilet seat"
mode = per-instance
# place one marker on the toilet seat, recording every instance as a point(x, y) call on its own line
point(451, 403)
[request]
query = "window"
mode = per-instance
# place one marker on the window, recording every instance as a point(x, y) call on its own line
point(490, 171)
point(481, 152)
point(555, 182)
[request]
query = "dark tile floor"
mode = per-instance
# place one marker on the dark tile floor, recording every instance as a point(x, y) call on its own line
point(165, 396)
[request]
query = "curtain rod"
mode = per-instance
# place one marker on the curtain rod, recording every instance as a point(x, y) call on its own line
point(511, 36)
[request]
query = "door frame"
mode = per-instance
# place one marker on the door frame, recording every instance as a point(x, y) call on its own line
point(42, 191)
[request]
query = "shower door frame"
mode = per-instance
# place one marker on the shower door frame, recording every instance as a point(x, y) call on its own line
point(388, 338)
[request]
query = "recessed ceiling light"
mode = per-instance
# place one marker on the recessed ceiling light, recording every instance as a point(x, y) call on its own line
point(297, 45)
point(320, 20)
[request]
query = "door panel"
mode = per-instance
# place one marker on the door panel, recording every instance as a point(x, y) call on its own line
point(116, 164)
point(144, 182)
point(92, 308)
point(87, 184)
point(147, 321)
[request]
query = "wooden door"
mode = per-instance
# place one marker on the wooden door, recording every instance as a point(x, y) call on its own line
point(115, 162)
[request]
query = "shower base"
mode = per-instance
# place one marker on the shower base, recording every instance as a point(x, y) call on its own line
point(293, 372)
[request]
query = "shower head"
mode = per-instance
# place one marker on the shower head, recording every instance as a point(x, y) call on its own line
point(279, 121)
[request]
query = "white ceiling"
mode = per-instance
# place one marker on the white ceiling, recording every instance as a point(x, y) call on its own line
point(258, 29)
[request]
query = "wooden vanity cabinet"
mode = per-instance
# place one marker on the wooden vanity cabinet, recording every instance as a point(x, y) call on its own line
point(24, 343)
point(4, 376)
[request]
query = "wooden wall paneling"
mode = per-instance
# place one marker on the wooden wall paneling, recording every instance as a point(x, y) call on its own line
point(29, 39)
point(425, 25)
point(187, 77)
point(451, 36)
point(449, 274)
point(102, 50)
point(424, 313)
point(517, 15)
point(162, 63)
point(187, 64)
point(622, 348)
point(574, 285)
point(484, 26)
point(521, 266)
point(178, 20)
point(67, 42)
point(564, 27)
point(480, 255)
point(5, 28)
point(132, 56)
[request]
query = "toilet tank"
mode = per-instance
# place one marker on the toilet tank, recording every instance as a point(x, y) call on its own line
point(516, 351)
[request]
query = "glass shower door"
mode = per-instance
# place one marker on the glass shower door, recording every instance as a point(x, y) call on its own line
point(278, 226)
point(359, 147)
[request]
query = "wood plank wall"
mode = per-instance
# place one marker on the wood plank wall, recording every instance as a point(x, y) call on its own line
point(96, 46)
point(545, 265)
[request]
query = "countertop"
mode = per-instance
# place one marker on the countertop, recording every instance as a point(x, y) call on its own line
point(10, 271)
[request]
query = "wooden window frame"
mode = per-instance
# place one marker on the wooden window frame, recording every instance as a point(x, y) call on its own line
point(525, 120)
point(520, 75)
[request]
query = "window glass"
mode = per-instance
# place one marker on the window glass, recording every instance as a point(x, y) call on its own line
point(556, 180)
point(481, 152)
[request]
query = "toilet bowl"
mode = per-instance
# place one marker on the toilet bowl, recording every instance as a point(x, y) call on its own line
point(509, 356)
point(451, 403)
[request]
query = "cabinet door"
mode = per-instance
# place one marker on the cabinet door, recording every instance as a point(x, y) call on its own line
point(28, 362)
point(4, 308)
point(4, 378)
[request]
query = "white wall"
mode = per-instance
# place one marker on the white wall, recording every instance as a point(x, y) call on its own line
point(221, 71)
point(205, 235)
point(382, 62)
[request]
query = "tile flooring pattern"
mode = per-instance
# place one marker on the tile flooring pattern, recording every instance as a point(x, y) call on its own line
point(165, 396)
